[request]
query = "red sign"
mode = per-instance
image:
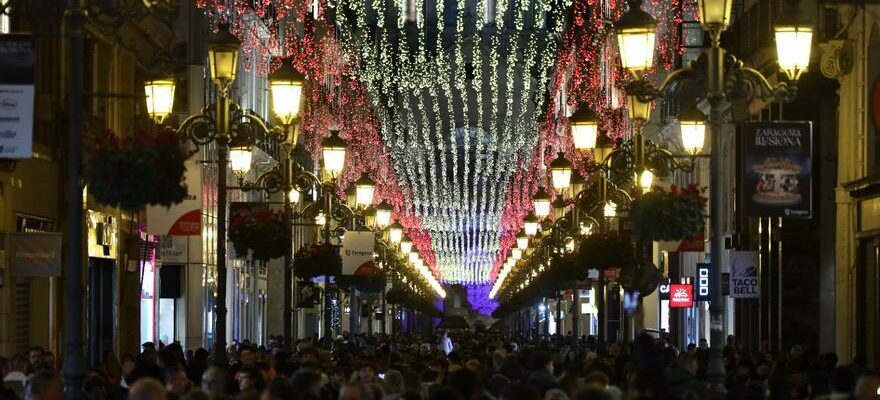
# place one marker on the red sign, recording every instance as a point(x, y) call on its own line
point(681, 296)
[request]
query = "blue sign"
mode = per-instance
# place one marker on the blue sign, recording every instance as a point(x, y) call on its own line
point(702, 290)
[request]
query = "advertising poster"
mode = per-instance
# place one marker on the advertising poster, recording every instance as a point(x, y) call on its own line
point(184, 218)
point(307, 294)
point(17, 59)
point(744, 279)
point(777, 174)
point(357, 253)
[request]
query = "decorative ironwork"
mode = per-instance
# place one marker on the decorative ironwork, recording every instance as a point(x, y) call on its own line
point(199, 129)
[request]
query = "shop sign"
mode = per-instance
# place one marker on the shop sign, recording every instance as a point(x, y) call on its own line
point(173, 249)
point(17, 59)
point(357, 253)
point(702, 285)
point(744, 279)
point(663, 289)
point(184, 218)
point(681, 296)
point(34, 254)
point(777, 175)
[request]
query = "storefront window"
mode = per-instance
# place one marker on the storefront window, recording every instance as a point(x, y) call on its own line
point(167, 316)
point(148, 297)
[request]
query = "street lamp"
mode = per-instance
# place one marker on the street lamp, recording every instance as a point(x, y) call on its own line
point(560, 206)
point(223, 58)
point(333, 149)
point(609, 210)
point(293, 196)
point(646, 180)
point(715, 14)
point(636, 31)
point(395, 233)
point(241, 152)
point(364, 188)
point(560, 172)
point(515, 253)
point(160, 98)
point(584, 125)
point(794, 37)
point(692, 122)
point(286, 85)
point(522, 240)
point(542, 203)
point(383, 214)
point(405, 244)
point(530, 224)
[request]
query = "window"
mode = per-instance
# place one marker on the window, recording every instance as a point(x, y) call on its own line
point(5, 16)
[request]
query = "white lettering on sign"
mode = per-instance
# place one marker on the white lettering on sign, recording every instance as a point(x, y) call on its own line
point(703, 282)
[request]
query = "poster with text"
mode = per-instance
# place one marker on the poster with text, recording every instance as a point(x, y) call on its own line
point(17, 60)
point(778, 174)
point(744, 276)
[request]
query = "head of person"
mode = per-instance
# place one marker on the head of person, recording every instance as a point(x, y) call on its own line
point(393, 381)
point(704, 344)
point(49, 359)
point(541, 361)
point(596, 380)
point(614, 350)
point(214, 381)
point(688, 362)
point(366, 373)
point(127, 366)
point(280, 389)
point(35, 356)
point(251, 378)
point(147, 389)
point(93, 386)
point(247, 357)
point(306, 383)
point(176, 380)
point(354, 391)
point(44, 385)
point(555, 394)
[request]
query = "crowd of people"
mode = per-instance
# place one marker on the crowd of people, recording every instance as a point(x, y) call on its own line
point(467, 366)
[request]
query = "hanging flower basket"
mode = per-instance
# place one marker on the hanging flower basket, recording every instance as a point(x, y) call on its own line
point(603, 251)
point(317, 259)
point(263, 234)
point(134, 172)
point(679, 214)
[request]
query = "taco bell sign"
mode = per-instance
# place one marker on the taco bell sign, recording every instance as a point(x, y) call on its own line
point(744, 279)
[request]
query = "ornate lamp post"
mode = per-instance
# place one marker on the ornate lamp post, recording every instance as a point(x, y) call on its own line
point(226, 125)
point(793, 40)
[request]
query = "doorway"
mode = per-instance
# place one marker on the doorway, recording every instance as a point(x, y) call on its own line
point(102, 303)
point(868, 302)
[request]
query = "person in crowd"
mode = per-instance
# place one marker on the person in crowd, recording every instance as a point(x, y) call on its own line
point(147, 389)
point(445, 344)
point(214, 382)
point(44, 385)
